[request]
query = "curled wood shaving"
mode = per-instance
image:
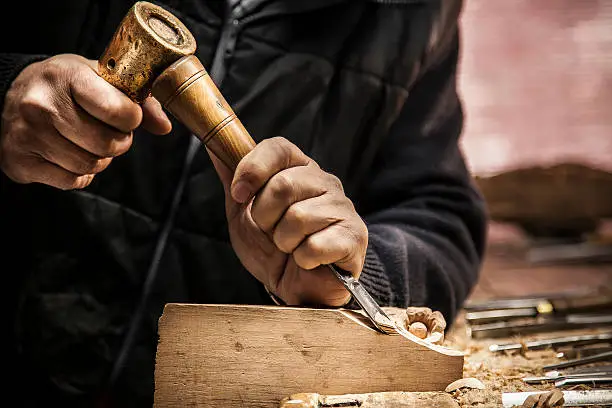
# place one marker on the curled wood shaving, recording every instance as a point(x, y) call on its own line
point(468, 382)
point(433, 320)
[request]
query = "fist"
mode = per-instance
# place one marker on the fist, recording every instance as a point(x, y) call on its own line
point(62, 123)
point(288, 218)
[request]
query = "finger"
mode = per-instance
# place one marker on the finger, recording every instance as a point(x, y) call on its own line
point(338, 244)
point(42, 171)
point(259, 165)
point(103, 101)
point(305, 218)
point(87, 132)
point(310, 287)
point(58, 150)
point(154, 119)
point(284, 189)
point(224, 172)
point(225, 175)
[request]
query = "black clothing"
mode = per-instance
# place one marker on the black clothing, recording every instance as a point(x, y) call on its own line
point(365, 88)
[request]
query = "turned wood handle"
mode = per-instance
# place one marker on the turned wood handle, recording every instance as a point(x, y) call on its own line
point(186, 90)
point(152, 52)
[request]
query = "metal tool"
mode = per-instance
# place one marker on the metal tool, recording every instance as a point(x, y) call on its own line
point(373, 311)
point(607, 356)
point(572, 398)
point(580, 352)
point(569, 322)
point(531, 307)
point(592, 381)
point(555, 376)
point(546, 303)
point(555, 342)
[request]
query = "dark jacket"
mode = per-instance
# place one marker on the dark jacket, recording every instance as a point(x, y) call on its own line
point(366, 88)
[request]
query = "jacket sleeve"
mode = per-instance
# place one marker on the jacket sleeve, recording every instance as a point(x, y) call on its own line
point(426, 219)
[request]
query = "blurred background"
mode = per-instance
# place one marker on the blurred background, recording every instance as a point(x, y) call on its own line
point(536, 83)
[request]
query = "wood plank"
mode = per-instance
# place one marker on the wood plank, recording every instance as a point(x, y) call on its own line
point(254, 356)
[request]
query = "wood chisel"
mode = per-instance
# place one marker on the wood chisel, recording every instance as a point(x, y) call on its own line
point(582, 340)
point(554, 376)
point(607, 356)
point(373, 311)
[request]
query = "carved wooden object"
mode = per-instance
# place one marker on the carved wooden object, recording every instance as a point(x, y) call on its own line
point(254, 356)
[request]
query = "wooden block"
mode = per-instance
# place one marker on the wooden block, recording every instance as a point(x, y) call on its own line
point(254, 356)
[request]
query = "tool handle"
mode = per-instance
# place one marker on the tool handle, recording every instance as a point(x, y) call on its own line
point(186, 90)
point(583, 303)
point(147, 41)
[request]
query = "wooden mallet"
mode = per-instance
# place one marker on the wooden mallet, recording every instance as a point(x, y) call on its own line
point(152, 52)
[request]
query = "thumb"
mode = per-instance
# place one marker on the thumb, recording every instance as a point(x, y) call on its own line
point(154, 118)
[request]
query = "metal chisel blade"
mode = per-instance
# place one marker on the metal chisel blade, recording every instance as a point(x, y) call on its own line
point(373, 311)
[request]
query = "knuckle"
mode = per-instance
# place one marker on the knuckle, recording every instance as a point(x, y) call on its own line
point(93, 165)
point(334, 182)
point(16, 173)
point(361, 233)
point(282, 187)
point(116, 146)
point(281, 242)
point(54, 69)
point(253, 172)
point(34, 103)
point(314, 247)
point(297, 217)
point(283, 147)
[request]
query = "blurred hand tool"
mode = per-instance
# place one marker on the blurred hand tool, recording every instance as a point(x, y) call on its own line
point(592, 381)
point(517, 308)
point(579, 300)
point(572, 398)
point(580, 352)
point(555, 375)
point(540, 325)
point(586, 339)
point(607, 356)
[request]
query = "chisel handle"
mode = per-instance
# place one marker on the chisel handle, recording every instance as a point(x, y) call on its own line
point(186, 90)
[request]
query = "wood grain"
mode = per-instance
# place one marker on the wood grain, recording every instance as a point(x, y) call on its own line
point(254, 356)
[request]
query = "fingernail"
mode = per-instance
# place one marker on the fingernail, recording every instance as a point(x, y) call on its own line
point(241, 192)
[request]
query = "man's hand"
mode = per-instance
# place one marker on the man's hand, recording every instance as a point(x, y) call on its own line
point(286, 218)
point(62, 123)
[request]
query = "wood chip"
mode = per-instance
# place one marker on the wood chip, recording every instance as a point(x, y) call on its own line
point(418, 329)
point(433, 320)
point(469, 382)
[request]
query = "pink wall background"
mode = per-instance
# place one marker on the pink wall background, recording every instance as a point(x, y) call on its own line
point(536, 82)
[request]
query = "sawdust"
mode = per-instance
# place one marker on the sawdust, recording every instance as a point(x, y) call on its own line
point(500, 372)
